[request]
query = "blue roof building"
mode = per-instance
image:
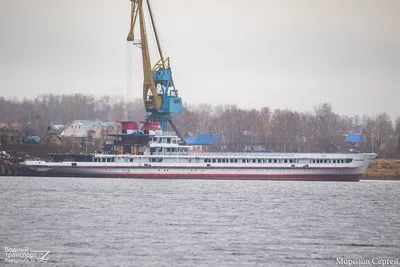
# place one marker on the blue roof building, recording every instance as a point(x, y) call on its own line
point(204, 139)
point(354, 138)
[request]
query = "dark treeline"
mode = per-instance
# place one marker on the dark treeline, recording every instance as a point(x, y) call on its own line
point(243, 129)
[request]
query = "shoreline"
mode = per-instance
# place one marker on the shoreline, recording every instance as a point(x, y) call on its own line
point(383, 169)
point(377, 178)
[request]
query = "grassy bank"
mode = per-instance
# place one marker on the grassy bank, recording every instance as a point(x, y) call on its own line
point(385, 169)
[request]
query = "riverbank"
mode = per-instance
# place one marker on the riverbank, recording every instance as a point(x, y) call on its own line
point(383, 169)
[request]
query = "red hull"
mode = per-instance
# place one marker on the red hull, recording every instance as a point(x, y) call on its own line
point(295, 177)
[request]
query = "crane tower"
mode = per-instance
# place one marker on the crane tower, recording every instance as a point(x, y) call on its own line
point(160, 96)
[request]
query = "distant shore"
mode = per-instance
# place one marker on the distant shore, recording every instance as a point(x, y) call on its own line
point(383, 169)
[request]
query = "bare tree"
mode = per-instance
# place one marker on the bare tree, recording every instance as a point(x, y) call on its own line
point(281, 129)
point(397, 127)
point(384, 128)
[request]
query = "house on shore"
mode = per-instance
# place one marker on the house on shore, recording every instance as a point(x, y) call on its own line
point(96, 129)
point(90, 132)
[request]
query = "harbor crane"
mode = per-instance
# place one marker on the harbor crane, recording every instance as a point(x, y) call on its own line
point(160, 96)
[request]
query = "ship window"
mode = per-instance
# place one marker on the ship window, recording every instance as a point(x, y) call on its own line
point(269, 160)
point(219, 160)
point(112, 159)
point(213, 160)
point(243, 161)
point(285, 161)
point(275, 160)
point(349, 160)
point(131, 159)
point(236, 160)
point(168, 149)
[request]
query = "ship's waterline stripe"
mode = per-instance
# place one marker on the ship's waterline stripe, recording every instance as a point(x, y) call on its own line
point(310, 177)
point(190, 167)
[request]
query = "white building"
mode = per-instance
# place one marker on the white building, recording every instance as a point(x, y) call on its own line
point(94, 128)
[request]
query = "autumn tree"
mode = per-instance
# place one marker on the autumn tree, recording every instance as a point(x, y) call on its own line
point(384, 128)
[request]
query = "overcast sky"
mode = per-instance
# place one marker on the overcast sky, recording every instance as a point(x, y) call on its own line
point(277, 53)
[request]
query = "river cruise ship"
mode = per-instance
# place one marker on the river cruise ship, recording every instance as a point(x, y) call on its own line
point(165, 157)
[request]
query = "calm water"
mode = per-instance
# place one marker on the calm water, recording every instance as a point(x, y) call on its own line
point(128, 222)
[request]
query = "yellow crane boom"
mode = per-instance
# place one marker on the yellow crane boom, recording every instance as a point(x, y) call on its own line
point(154, 100)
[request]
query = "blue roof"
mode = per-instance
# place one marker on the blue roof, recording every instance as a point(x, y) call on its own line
point(204, 139)
point(190, 140)
point(354, 138)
